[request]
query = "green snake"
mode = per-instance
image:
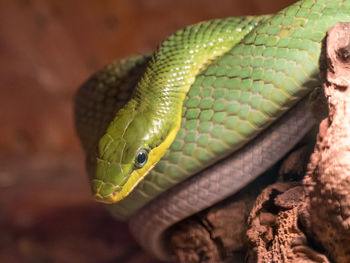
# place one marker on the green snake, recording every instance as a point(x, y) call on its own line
point(222, 100)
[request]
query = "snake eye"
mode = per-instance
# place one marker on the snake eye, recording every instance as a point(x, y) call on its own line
point(141, 158)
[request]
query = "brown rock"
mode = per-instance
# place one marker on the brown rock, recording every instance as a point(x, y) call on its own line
point(273, 229)
point(327, 183)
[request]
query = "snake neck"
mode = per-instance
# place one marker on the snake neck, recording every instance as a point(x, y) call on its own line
point(176, 63)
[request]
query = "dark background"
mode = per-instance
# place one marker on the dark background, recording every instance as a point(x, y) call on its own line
point(47, 49)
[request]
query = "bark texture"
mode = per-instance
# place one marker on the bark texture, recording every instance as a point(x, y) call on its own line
point(327, 183)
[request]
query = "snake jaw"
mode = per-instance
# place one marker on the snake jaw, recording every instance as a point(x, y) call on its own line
point(99, 198)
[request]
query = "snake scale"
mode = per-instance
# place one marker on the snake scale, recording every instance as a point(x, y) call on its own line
point(173, 132)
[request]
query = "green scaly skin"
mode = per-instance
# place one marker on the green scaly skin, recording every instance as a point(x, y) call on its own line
point(239, 94)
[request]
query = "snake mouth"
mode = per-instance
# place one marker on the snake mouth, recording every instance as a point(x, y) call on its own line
point(105, 192)
point(111, 199)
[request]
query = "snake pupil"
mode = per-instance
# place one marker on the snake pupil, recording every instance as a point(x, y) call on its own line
point(141, 158)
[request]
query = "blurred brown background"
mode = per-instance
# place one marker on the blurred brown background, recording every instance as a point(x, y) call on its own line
point(48, 48)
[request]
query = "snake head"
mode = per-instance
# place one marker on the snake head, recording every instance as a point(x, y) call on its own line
point(130, 148)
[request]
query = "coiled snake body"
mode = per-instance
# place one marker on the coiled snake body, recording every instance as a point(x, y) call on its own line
point(223, 99)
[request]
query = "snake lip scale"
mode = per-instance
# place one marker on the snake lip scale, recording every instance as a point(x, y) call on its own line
point(169, 134)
